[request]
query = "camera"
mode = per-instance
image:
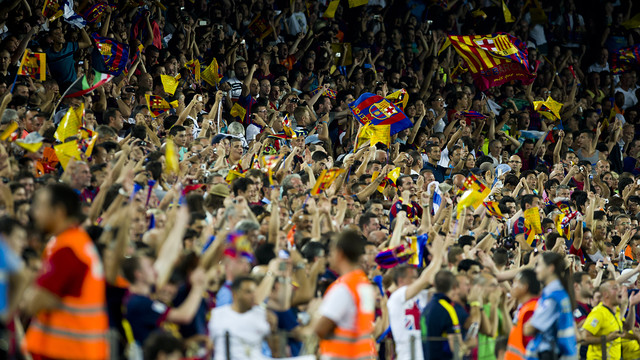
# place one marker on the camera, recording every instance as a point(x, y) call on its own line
point(129, 89)
point(295, 100)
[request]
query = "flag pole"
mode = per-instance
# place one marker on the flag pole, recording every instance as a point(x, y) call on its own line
point(53, 112)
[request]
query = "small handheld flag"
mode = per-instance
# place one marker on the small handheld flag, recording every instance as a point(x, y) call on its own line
point(325, 180)
point(34, 65)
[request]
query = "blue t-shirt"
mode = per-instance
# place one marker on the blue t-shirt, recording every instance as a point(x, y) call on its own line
point(61, 64)
point(9, 264)
point(145, 316)
point(224, 295)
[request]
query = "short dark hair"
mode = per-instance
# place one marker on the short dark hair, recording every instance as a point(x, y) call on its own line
point(64, 196)
point(161, 342)
point(176, 129)
point(527, 200)
point(237, 282)
point(445, 281)
point(528, 277)
point(241, 184)
point(129, 267)
point(400, 271)
point(365, 218)
point(351, 244)
point(466, 264)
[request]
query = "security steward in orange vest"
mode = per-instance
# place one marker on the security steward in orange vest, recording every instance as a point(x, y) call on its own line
point(347, 311)
point(68, 300)
point(526, 290)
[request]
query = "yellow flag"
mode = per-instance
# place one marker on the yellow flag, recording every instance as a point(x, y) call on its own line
point(356, 3)
point(508, 18)
point(66, 151)
point(169, 83)
point(532, 220)
point(172, 165)
point(330, 13)
point(8, 131)
point(194, 69)
point(374, 133)
point(548, 108)
point(238, 111)
point(70, 123)
point(30, 147)
point(212, 74)
point(632, 23)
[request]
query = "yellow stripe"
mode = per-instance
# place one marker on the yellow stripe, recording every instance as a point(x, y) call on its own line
point(451, 311)
point(482, 52)
point(465, 53)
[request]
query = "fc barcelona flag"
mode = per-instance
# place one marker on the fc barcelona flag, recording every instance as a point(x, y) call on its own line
point(260, 27)
point(375, 109)
point(400, 98)
point(325, 180)
point(493, 209)
point(193, 66)
point(157, 105)
point(34, 65)
point(330, 93)
point(625, 59)
point(51, 10)
point(93, 13)
point(493, 59)
point(114, 55)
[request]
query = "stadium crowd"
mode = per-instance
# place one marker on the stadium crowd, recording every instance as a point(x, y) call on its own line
point(193, 180)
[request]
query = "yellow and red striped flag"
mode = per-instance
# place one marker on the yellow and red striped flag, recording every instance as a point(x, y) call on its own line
point(493, 59)
point(325, 180)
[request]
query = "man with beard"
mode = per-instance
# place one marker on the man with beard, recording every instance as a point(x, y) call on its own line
point(241, 70)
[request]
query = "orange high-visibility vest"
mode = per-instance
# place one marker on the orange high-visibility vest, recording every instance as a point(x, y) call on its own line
point(352, 344)
point(515, 346)
point(77, 329)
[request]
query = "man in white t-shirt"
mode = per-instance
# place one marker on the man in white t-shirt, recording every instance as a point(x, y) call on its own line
point(245, 323)
point(407, 302)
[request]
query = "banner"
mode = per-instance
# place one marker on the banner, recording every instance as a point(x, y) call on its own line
point(493, 59)
point(325, 180)
point(114, 55)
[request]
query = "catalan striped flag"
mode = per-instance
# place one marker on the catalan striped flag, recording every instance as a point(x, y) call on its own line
point(114, 55)
point(158, 105)
point(34, 65)
point(375, 109)
point(375, 134)
point(493, 59)
point(625, 59)
point(325, 180)
point(235, 172)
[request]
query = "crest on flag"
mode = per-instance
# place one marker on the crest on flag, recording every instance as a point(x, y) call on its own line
point(114, 55)
point(34, 65)
point(158, 105)
point(379, 111)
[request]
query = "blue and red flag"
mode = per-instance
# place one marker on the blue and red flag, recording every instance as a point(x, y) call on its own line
point(473, 115)
point(375, 109)
point(625, 59)
point(93, 13)
point(114, 55)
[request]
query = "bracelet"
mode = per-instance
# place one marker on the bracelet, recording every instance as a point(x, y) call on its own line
point(122, 192)
point(475, 303)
